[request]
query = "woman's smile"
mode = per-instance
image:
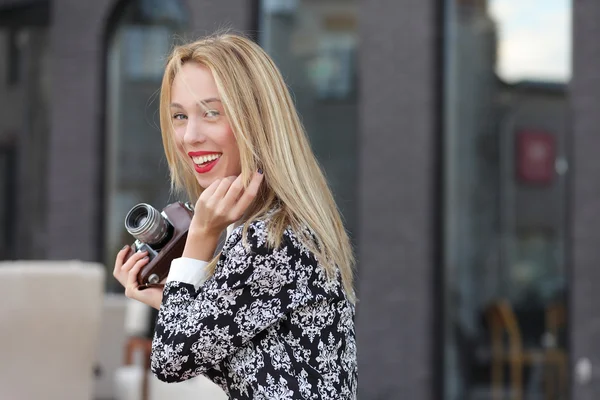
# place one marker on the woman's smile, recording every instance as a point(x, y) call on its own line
point(204, 161)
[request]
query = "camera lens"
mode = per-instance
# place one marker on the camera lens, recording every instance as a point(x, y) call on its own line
point(147, 224)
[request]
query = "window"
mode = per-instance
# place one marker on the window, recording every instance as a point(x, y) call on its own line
point(136, 170)
point(507, 66)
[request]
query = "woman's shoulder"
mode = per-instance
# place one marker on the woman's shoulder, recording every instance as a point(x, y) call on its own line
point(260, 236)
point(262, 261)
point(260, 241)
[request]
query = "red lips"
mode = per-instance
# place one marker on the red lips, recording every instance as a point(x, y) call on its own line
point(204, 168)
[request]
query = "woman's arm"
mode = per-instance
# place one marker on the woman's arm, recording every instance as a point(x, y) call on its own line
point(252, 289)
point(222, 203)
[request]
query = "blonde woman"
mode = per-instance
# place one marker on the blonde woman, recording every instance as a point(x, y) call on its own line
point(271, 314)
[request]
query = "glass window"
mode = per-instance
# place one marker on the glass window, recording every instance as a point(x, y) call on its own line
point(136, 170)
point(314, 44)
point(24, 126)
point(507, 67)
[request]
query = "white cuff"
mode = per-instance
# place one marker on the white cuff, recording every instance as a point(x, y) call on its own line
point(188, 270)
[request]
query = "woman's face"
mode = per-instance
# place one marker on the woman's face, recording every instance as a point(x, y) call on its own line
point(202, 130)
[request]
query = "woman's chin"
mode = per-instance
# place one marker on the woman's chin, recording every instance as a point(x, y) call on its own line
point(205, 181)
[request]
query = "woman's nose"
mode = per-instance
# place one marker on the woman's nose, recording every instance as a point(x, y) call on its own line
point(193, 133)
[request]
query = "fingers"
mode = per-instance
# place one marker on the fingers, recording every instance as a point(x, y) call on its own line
point(132, 283)
point(121, 269)
point(151, 296)
point(222, 188)
point(132, 275)
point(225, 201)
point(234, 192)
point(127, 272)
point(121, 258)
point(133, 259)
point(210, 190)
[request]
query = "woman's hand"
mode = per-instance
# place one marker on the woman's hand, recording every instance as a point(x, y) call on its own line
point(126, 273)
point(224, 202)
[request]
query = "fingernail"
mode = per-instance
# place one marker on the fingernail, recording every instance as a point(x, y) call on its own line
point(260, 171)
point(145, 258)
point(124, 247)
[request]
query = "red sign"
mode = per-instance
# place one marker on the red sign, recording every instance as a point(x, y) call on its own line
point(536, 154)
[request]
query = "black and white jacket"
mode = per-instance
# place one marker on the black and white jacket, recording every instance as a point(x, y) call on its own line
point(268, 324)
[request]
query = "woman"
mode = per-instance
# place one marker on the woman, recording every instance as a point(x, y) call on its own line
point(270, 315)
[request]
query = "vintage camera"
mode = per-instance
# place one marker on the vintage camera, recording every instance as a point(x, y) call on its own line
point(162, 234)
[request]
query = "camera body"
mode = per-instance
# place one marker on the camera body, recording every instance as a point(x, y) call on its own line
point(161, 234)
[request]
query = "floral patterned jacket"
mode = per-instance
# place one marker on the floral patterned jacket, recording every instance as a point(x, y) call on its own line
point(268, 324)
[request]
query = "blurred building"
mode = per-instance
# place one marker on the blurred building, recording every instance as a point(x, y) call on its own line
point(472, 200)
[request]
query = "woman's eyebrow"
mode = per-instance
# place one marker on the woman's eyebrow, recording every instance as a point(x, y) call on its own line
point(210, 100)
point(205, 101)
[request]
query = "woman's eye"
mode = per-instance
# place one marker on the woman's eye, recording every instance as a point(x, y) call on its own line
point(211, 114)
point(179, 116)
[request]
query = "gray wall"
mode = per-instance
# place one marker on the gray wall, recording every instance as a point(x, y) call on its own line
point(396, 203)
point(75, 158)
point(585, 201)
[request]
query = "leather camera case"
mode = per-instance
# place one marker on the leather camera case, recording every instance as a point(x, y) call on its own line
point(180, 218)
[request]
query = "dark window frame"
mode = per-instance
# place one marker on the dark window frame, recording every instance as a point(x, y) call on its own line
point(8, 149)
point(14, 18)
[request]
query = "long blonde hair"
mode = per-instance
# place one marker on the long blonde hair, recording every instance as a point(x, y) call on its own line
point(270, 136)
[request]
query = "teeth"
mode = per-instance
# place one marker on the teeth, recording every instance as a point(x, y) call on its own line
point(205, 159)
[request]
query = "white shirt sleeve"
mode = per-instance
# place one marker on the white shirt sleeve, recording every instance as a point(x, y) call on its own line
point(188, 270)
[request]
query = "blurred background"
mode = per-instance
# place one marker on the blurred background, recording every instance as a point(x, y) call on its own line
point(459, 137)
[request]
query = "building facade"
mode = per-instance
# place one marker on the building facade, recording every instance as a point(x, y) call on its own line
point(463, 191)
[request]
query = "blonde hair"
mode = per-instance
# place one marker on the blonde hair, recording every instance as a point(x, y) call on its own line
point(270, 136)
